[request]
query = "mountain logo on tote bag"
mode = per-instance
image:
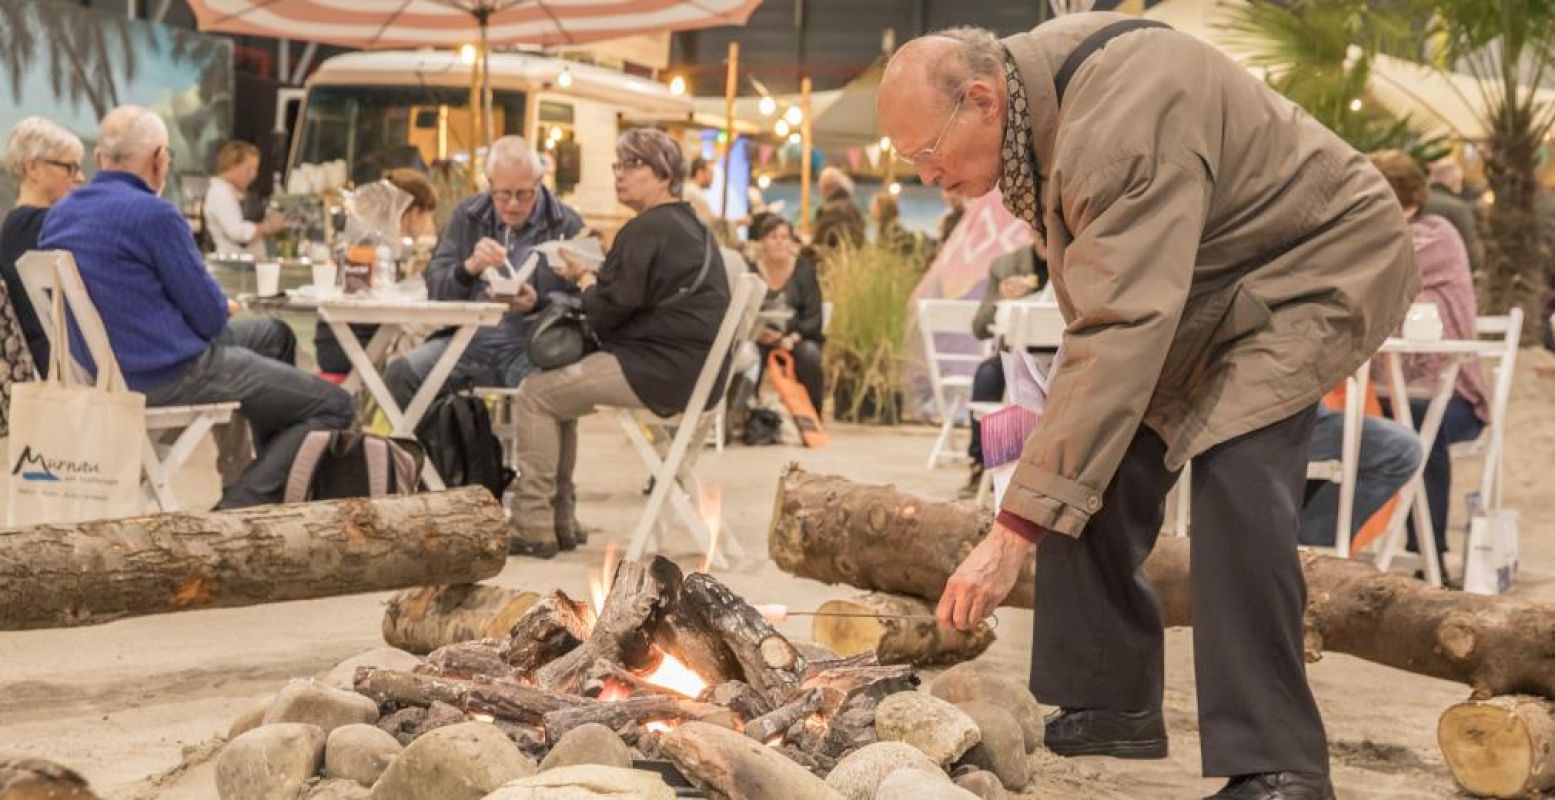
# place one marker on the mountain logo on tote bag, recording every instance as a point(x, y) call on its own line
point(44, 469)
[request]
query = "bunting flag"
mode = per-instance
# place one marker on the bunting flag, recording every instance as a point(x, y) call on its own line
point(853, 159)
point(766, 154)
point(872, 152)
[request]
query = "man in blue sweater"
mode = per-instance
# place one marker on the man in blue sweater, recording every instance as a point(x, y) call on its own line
point(167, 318)
point(497, 226)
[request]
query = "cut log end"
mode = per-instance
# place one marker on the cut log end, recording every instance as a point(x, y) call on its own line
point(1501, 747)
point(905, 634)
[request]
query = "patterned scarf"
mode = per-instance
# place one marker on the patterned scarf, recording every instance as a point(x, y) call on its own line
point(1018, 181)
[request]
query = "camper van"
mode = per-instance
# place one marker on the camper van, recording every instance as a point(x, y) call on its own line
point(381, 110)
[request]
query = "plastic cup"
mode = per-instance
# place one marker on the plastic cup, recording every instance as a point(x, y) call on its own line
point(268, 275)
point(324, 276)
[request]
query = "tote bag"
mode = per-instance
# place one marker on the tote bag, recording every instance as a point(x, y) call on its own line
point(75, 447)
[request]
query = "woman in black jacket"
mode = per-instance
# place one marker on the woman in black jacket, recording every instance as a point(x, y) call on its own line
point(792, 310)
point(655, 306)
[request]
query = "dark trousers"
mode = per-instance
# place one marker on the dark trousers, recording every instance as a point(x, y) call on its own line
point(987, 387)
point(281, 403)
point(807, 369)
point(1097, 641)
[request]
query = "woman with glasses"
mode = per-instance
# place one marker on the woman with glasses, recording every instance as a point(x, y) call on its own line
point(45, 161)
point(655, 305)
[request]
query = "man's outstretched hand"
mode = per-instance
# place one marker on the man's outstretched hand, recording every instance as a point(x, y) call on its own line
point(984, 579)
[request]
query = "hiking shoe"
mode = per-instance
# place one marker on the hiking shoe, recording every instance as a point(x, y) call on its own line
point(1277, 786)
point(1101, 732)
point(531, 549)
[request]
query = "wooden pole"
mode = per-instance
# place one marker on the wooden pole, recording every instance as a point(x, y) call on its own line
point(804, 169)
point(474, 126)
point(731, 85)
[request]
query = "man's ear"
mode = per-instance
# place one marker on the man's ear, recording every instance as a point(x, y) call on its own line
point(982, 95)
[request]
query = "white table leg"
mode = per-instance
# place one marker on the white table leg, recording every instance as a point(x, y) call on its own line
point(376, 347)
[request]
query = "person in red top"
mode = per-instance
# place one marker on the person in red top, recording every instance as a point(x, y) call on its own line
point(1445, 281)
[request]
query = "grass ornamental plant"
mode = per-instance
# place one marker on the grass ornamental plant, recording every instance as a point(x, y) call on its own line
point(871, 289)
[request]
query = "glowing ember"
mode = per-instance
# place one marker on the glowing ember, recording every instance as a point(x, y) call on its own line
point(676, 676)
point(599, 583)
point(614, 690)
point(657, 726)
point(483, 717)
point(710, 507)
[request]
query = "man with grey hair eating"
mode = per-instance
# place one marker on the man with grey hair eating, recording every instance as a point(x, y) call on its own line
point(1222, 260)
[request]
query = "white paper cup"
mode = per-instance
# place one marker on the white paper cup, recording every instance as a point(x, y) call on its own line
point(1424, 323)
point(324, 276)
point(268, 275)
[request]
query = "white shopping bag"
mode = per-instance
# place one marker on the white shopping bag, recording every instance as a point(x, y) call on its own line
point(1490, 565)
point(76, 448)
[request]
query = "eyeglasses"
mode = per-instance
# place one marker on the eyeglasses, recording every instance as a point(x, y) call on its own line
point(71, 168)
point(928, 153)
point(504, 196)
point(628, 163)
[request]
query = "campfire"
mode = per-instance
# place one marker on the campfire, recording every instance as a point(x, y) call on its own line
point(652, 650)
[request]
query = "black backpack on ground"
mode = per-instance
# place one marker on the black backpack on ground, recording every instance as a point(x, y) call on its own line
point(457, 435)
point(335, 464)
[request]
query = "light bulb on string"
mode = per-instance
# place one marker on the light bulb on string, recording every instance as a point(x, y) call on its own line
point(781, 127)
point(677, 85)
point(767, 106)
point(794, 115)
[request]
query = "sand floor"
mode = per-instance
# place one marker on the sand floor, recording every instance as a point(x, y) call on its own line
point(125, 701)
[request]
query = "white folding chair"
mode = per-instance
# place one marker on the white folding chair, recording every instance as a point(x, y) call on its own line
point(676, 468)
point(1342, 470)
point(951, 392)
point(1492, 439)
point(191, 422)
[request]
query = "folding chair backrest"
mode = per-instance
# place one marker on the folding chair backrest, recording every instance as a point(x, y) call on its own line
point(36, 268)
point(1035, 325)
point(1510, 329)
point(948, 317)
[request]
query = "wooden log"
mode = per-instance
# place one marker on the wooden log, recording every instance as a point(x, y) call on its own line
point(467, 660)
point(93, 572)
point(424, 619)
point(735, 766)
point(643, 709)
point(550, 629)
point(779, 720)
point(624, 630)
point(739, 697)
point(871, 683)
point(767, 661)
point(905, 633)
point(392, 689)
point(879, 539)
point(1500, 747)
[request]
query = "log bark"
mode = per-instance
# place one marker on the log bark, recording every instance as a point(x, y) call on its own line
point(467, 660)
point(777, 722)
point(623, 634)
point(1500, 747)
point(93, 572)
point(424, 619)
point(764, 659)
point(547, 631)
point(392, 689)
point(634, 710)
point(905, 633)
point(879, 539)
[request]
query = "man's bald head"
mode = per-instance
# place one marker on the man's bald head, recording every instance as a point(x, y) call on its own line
point(942, 101)
point(133, 139)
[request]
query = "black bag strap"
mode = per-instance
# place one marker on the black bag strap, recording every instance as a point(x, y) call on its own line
point(696, 283)
point(1094, 42)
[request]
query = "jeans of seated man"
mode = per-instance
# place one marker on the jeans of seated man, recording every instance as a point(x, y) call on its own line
point(987, 387)
point(1459, 424)
point(281, 403)
point(479, 366)
point(1389, 455)
point(268, 337)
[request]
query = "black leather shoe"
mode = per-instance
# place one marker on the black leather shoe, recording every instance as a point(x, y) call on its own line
point(525, 547)
point(1100, 732)
point(1277, 786)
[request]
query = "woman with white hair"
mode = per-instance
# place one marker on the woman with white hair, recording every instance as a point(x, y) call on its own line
point(45, 160)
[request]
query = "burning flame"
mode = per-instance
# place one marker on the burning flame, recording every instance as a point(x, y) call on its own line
point(657, 726)
point(599, 583)
point(674, 675)
point(710, 507)
point(614, 690)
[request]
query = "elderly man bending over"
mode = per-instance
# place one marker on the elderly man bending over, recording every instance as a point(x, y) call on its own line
point(167, 318)
point(497, 226)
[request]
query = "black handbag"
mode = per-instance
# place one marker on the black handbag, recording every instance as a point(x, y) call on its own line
point(559, 335)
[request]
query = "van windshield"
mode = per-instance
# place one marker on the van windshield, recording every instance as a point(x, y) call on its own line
point(378, 128)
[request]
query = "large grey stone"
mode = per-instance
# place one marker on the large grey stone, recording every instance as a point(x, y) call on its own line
point(313, 703)
point(859, 773)
point(912, 783)
point(1002, 749)
point(337, 789)
point(271, 762)
point(457, 762)
point(588, 744)
point(587, 782)
point(943, 732)
point(974, 681)
point(360, 753)
point(343, 675)
point(982, 783)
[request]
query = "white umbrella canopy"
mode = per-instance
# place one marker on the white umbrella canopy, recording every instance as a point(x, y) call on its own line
point(377, 24)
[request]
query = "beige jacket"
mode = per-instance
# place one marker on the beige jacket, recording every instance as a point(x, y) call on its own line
point(1222, 259)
